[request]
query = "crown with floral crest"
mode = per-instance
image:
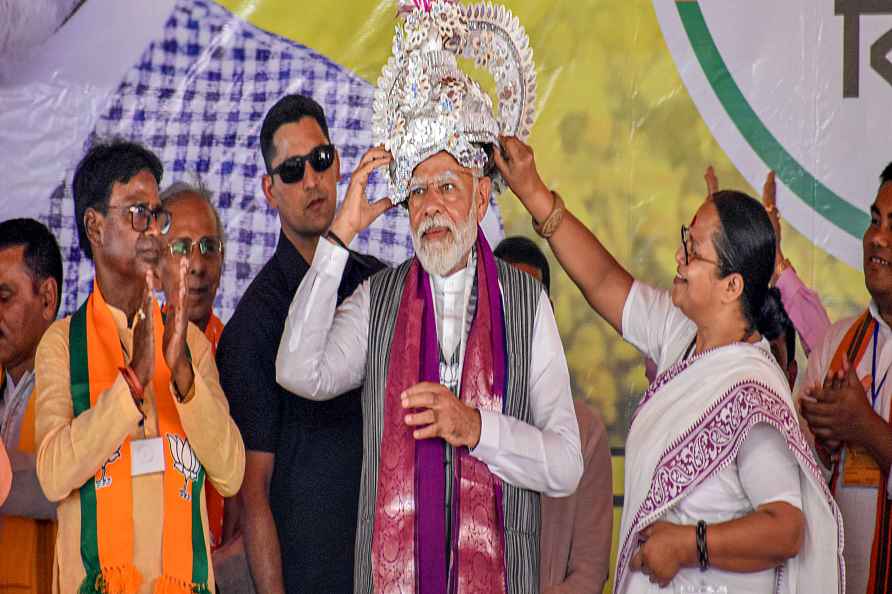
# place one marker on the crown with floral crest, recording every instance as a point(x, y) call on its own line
point(425, 103)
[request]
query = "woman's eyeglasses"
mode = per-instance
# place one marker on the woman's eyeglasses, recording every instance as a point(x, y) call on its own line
point(689, 255)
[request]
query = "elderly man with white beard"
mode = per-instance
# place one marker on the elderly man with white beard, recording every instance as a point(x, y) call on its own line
point(467, 410)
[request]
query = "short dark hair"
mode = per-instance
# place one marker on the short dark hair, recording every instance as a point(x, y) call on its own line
point(523, 250)
point(746, 244)
point(41, 254)
point(886, 175)
point(289, 109)
point(104, 165)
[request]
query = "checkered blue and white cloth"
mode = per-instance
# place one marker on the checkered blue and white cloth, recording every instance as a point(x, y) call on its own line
point(197, 98)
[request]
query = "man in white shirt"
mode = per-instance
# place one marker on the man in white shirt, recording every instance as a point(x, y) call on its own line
point(326, 351)
point(846, 401)
point(466, 398)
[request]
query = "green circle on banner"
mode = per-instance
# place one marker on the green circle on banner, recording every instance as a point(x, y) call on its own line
point(782, 87)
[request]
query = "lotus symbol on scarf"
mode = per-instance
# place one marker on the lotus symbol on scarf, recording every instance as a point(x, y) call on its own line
point(184, 461)
point(105, 481)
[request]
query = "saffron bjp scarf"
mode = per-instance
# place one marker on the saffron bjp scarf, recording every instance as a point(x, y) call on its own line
point(852, 349)
point(409, 541)
point(106, 499)
point(213, 499)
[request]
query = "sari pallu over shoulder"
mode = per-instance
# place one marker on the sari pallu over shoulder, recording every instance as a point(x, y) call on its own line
point(690, 425)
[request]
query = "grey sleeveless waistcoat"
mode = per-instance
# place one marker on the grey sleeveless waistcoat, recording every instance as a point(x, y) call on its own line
point(520, 298)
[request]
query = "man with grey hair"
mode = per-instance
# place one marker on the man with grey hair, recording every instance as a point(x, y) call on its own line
point(467, 409)
point(528, 444)
point(196, 234)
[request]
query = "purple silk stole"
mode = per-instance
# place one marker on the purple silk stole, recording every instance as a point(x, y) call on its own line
point(409, 541)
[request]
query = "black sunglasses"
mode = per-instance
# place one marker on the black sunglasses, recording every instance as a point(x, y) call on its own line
point(183, 246)
point(291, 170)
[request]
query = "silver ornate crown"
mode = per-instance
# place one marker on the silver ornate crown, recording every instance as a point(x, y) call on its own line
point(425, 103)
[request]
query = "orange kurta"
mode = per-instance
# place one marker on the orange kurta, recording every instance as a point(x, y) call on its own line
point(71, 449)
point(214, 500)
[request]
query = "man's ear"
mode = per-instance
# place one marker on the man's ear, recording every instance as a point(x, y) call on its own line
point(48, 292)
point(484, 189)
point(267, 184)
point(94, 225)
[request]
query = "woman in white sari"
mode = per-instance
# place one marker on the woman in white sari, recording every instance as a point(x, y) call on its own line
point(721, 488)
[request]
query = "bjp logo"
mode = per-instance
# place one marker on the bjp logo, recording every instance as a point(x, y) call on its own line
point(184, 461)
point(104, 480)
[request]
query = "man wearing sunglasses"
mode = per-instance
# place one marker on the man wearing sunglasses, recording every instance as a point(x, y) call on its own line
point(130, 416)
point(304, 458)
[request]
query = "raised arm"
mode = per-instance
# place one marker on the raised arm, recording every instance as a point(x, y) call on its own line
point(323, 347)
point(802, 304)
point(604, 283)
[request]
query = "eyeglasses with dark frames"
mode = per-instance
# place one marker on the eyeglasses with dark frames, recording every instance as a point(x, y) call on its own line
point(141, 217)
point(689, 256)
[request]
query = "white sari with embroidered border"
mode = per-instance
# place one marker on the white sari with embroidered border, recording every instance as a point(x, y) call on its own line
point(690, 426)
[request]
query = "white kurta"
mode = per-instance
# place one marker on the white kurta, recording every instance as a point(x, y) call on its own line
point(764, 469)
point(323, 352)
point(857, 504)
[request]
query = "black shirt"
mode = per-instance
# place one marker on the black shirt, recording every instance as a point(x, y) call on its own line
point(314, 490)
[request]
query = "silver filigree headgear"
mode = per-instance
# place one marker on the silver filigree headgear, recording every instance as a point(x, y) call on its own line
point(425, 104)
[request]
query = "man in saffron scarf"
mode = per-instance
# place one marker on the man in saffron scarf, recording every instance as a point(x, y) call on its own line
point(846, 402)
point(466, 397)
point(131, 420)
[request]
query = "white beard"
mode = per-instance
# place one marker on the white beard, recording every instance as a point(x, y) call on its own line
point(27, 23)
point(443, 256)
